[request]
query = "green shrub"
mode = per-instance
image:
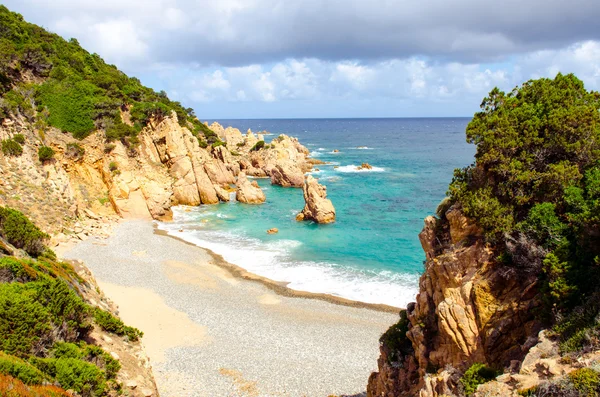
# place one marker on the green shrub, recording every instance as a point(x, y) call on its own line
point(217, 144)
point(45, 153)
point(74, 151)
point(476, 375)
point(112, 166)
point(110, 323)
point(586, 381)
point(73, 373)
point(395, 340)
point(10, 147)
point(19, 138)
point(203, 144)
point(21, 232)
point(257, 146)
point(22, 370)
point(90, 353)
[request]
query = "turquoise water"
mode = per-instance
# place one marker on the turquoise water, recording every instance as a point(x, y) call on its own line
point(372, 252)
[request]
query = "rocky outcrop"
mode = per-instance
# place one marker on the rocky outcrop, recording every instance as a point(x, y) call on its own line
point(469, 309)
point(317, 207)
point(248, 192)
point(287, 174)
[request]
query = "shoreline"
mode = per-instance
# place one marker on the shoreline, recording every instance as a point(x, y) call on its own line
point(280, 287)
point(236, 331)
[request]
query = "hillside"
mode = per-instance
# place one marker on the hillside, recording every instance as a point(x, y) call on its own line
point(513, 251)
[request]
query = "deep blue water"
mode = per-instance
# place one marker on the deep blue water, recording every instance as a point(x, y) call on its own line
point(372, 252)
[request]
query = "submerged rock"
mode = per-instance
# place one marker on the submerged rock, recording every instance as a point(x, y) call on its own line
point(273, 230)
point(247, 192)
point(318, 207)
point(364, 166)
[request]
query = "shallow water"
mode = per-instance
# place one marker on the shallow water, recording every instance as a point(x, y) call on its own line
point(372, 252)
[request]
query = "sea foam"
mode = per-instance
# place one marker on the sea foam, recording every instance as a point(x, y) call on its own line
point(354, 168)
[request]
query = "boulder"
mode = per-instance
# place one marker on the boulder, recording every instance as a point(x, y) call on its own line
point(287, 174)
point(273, 230)
point(364, 166)
point(247, 192)
point(317, 207)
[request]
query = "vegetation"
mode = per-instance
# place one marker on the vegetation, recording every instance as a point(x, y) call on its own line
point(395, 340)
point(45, 153)
point(535, 188)
point(476, 375)
point(44, 323)
point(112, 166)
point(257, 146)
point(19, 138)
point(74, 151)
point(21, 232)
point(80, 92)
point(10, 147)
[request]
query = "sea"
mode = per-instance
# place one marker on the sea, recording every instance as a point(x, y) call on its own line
point(372, 252)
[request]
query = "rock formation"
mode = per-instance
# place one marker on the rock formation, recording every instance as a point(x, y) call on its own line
point(287, 174)
point(470, 309)
point(248, 192)
point(317, 207)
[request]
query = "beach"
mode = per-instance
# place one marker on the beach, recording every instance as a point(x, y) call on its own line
point(211, 329)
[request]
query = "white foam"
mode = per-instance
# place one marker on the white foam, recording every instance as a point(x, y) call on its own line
point(354, 168)
point(273, 259)
point(361, 148)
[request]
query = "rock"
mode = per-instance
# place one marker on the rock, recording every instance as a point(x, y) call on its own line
point(131, 384)
point(273, 230)
point(287, 174)
point(147, 392)
point(317, 207)
point(300, 217)
point(460, 226)
point(364, 166)
point(336, 151)
point(247, 192)
point(91, 214)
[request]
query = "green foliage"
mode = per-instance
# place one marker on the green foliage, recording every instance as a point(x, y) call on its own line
point(218, 143)
point(80, 91)
point(10, 147)
point(74, 151)
point(110, 323)
point(21, 232)
point(45, 153)
point(586, 381)
point(257, 146)
point(113, 166)
point(476, 375)
point(20, 369)
point(543, 224)
point(74, 373)
point(19, 138)
point(395, 340)
point(203, 144)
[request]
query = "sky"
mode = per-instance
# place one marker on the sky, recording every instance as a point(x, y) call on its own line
point(326, 58)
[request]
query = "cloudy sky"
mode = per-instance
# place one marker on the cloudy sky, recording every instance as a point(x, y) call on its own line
point(326, 58)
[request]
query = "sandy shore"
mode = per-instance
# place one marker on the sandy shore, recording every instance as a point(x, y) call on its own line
point(210, 332)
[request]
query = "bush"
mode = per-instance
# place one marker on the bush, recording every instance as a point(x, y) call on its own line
point(74, 151)
point(112, 166)
point(586, 381)
point(72, 373)
point(21, 232)
point(217, 144)
point(45, 153)
point(203, 144)
point(476, 375)
point(395, 340)
point(19, 138)
point(110, 323)
point(10, 147)
point(20, 370)
point(257, 146)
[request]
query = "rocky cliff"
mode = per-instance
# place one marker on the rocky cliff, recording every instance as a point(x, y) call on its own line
point(470, 309)
point(89, 181)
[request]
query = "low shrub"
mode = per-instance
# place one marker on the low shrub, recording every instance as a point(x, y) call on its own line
point(218, 143)
point(257, 146)
point(21, 370)
point(21, 232)
point(110, 323)
point(109, 147)
point(395, 340)
point(113, 166)
point(73, 373)
point(74, 151)
point(19, 138)
point(586, 381)
point(45, 153)
point(476, 375)
point(13, 387)
point(10, 147)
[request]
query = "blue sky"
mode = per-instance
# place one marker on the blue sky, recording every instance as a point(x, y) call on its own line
point(325, 58)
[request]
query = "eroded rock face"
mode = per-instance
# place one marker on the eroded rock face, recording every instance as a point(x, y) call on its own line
point(317, 206)
point(248, 192)
point(287, 174)
point(469, 309)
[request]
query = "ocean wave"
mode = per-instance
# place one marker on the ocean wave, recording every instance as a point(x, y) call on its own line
point(354, 168)
point(315, 154)
point(362, 148)
point(275, 260)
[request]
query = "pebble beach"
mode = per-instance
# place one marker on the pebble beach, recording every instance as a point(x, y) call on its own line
point(211, 332)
